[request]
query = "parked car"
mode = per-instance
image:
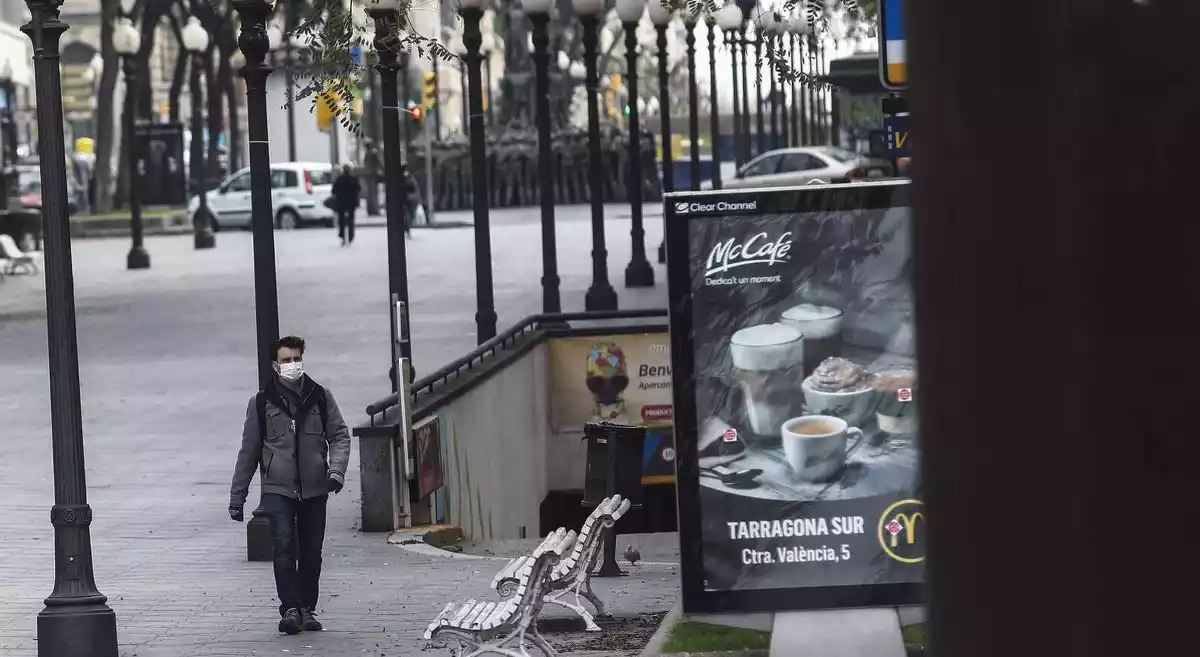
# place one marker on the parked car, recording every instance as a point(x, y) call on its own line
point(803, 165)
point(29, 188)
point(298, 193)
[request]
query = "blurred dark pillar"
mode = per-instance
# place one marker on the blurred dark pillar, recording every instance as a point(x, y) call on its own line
point(1060, 489)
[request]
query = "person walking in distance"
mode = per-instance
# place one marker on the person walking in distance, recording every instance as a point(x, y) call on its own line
point(346, 191)
point(296, 438)
point(412, 198)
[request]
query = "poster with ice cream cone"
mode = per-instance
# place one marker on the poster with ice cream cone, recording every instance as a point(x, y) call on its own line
point(621, 378)
point(795, 396)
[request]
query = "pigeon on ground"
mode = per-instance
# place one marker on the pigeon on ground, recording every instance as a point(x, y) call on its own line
point(632, 555)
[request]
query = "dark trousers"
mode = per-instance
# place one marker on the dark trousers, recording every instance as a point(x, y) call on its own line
point(297, 533)
point(346, 224)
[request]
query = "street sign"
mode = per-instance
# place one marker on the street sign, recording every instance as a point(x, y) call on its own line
point(893, 60)
point(897, 136)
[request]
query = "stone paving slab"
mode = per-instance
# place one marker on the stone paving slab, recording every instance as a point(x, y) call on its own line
point(167, 365)
point(658, 547)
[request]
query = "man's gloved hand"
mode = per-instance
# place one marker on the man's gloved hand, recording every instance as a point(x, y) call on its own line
point(335, 483)
point(235, 513)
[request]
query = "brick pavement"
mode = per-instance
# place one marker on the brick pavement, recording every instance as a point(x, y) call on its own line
point(167, 365)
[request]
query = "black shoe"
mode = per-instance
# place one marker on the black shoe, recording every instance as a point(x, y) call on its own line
point(309, 622)
point(291, 622)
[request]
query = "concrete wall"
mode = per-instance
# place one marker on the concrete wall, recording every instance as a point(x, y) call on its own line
point(494, 451)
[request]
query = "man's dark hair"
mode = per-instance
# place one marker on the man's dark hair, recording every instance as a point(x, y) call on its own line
point(290, 341)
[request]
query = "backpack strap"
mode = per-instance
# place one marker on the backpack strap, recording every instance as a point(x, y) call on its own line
point(260, 401)
point(322, 406)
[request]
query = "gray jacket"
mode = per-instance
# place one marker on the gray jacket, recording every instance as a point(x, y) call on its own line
point(297, 458)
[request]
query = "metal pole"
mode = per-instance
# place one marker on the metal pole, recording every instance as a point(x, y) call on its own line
point(781, 98)
point(731, 39)
point(462, 77)
point(600, 295)
point(805, 106)
point(823, 95)
point(639, 272)
point(715, 109)
point(485, 314)
point(792, 91)
point(551, 300)
point(487, 66)
point(203, 237)
point(664, 107)
point(428, 201)
point(693, 106)
point(253, 42)
point(812, 92)
point(773, 138)
point(8, 123)
point(759, 122)
point(386, 48)
point(289, 77)
point(747, 142)
point(437, 105)
point(76, 621)
point(138, 257)
point(405, 97)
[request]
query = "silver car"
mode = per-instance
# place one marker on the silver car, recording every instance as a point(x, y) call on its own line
point(788, 167)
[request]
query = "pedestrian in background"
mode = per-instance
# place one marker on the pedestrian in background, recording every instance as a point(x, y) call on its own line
point(346, 192)
point(412, 198)
point(291, 426)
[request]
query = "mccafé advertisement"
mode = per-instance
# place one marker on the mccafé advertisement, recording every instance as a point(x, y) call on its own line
point(795, 386)
point(623, 378)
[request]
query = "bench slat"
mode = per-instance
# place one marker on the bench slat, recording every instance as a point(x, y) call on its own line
point(463, 612)
point(480, 615)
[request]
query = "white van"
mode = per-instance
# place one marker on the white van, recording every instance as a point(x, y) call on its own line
point(298, 194)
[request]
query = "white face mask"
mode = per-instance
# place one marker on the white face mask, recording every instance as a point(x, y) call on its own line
point(291, 371)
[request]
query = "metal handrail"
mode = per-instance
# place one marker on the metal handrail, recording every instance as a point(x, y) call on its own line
point(455, 368)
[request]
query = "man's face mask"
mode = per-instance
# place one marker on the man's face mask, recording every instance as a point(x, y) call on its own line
point(291, 371)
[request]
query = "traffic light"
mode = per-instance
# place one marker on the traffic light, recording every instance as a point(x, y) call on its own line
point(417, 114)
point(429, 89)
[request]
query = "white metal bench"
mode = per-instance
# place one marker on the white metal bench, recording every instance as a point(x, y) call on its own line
point(502, 628)
point(573, 575)
point(15, 260)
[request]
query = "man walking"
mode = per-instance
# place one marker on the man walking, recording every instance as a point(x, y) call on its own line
point(346, 192)
point(297, 439)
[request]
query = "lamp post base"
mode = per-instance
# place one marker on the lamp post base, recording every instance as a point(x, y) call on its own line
point(77, 631)
point(600, 296)
point(138, 258)
point(205, 240)
point(639, 273)
point(662, 253)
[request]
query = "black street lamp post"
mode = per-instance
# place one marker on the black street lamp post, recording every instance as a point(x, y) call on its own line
point(639, 272)
point(77, 621)
point(744, 44)
point(794, 120)
point(813, 135)
point(729, 18)
point(386, 14)
point(805, 105)
point(195, 39)
point(781, 95)
point(8, 135)
point(600, 295)
point(255, 44)
point(769, 26)
point(539, 15)
point(127, 41)
point(759, 119)
point(661, 17)
point(689, 22)
point(405, 98)
point(485, 314)
point(714, 106)
point(291, 13)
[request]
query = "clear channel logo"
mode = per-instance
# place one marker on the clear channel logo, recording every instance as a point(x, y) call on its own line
point(696, 207)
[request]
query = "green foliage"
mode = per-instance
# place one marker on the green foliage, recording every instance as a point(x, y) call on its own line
point(702, 637)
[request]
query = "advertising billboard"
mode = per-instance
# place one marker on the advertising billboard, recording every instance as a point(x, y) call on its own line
point(623, 378)
point(795, 383)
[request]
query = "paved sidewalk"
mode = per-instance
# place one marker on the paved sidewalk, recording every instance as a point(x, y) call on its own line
point(167, 364)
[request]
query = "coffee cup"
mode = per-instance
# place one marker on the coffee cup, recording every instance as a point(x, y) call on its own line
point(815, 446)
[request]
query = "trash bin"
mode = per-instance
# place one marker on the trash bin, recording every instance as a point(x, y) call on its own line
point(614, 462)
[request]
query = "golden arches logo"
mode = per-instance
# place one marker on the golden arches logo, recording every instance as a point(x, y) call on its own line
point(897, 531)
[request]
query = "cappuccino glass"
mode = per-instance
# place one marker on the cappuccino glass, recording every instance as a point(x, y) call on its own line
point(815, 446)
